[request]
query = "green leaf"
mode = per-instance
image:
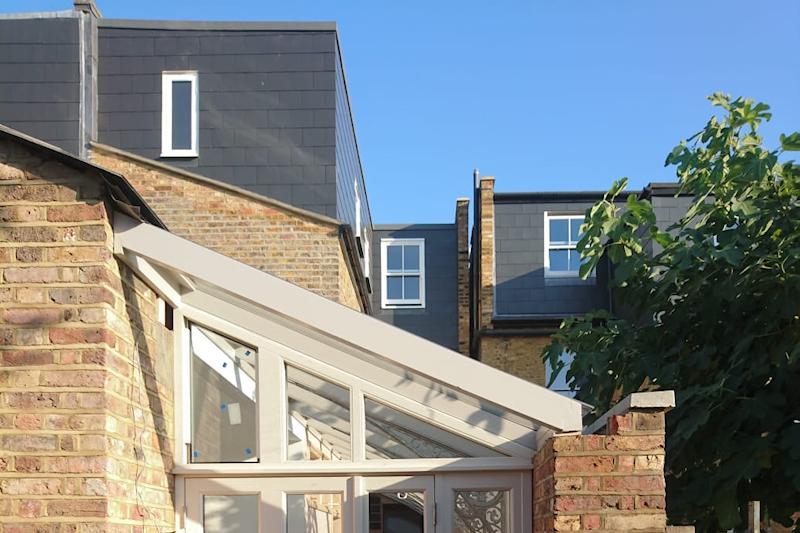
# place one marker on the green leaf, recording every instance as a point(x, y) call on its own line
point(713, 315)
point(790, 143)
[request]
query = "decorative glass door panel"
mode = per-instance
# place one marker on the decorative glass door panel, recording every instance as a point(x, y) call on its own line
point(481, 511)
point(399, 505)
point(483, 502)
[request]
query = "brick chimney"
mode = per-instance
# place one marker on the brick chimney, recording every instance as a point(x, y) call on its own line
point(462, 231)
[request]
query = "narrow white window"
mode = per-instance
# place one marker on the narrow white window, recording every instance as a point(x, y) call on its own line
point(179, 114)
point(358, 207)
point(561, 236)
point(367, 273)
point(402, 273)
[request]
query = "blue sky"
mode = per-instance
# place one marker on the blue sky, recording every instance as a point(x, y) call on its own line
point(544, 95)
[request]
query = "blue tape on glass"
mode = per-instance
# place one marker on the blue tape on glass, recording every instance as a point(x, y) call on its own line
point(223, 407)
point(248, 451)
point(195, 453)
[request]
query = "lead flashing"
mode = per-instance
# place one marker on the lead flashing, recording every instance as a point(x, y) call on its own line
point(214, 25)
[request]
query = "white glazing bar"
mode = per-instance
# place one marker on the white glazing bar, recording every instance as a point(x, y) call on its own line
point(272, 419)
point(183, 392)
point(358, 423)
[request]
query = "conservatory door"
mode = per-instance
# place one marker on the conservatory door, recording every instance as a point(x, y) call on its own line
point(251, 505)
point(488, 502)
point(399, 505)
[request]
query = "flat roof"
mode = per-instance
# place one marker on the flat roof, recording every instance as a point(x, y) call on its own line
point(216, 25)
point(413, 227)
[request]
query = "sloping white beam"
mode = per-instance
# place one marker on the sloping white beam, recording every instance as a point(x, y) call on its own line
point(330, 318)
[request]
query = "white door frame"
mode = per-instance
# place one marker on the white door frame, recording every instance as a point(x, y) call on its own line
point(273, 493)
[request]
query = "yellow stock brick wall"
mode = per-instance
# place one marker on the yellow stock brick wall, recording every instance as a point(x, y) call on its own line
point(302, 248)
point(86, 402)
point(520, 356)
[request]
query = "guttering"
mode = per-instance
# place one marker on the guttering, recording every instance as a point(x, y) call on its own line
point(547, 197)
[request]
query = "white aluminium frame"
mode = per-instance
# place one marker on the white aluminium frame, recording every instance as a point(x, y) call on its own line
point(402, 303)
point(289, 325)
point(548, 216)
point(167, 78)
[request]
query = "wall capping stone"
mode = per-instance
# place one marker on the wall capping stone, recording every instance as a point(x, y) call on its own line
point(638, 400)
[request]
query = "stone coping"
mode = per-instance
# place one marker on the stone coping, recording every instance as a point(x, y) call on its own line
point(638, 400)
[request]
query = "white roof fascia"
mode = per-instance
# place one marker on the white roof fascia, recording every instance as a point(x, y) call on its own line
point(419, 355)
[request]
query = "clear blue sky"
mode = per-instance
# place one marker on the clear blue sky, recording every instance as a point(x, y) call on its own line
point(544, 95)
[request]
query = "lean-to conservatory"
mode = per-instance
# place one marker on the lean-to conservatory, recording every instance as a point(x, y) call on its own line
point(296, 414)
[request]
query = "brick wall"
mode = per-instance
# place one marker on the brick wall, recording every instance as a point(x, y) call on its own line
point(517, 355)
point(512, 353)
point(85, 385)
point(304, 249)
point(462, 229)
point(608, 482)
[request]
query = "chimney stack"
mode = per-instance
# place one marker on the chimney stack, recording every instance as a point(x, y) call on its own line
point(86, 6)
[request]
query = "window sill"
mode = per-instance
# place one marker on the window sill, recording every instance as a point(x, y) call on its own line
point(551, 280)
point(402, 306)
point(180, 153)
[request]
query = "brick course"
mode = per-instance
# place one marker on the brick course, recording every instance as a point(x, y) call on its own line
point(85, 386)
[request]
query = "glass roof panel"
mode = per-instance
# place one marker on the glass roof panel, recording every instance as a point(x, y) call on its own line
point(319, 418)
point(393, 434)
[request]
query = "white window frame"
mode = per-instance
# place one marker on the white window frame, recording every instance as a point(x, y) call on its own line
point(388, 303)
point(358, 207)
point(367, 258)
point(569, 246)
point(167, 78)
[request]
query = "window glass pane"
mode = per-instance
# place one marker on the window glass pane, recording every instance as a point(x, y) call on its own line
point(314, 513)
point(397, 511)
point(394, 287)
point(394, 257)
point(230, 514)
point(182, 115)
point(574, 229)
point(559, 260)
point(319, 418)
point(481, 510)
point(392, 434)
point(411, 257)
point(559, 230)
point(574, 261)
point(411, 291)
point(224, 423)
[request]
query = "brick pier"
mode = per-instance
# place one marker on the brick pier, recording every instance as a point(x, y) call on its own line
point(609, 480)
